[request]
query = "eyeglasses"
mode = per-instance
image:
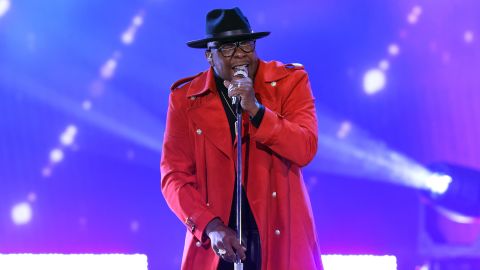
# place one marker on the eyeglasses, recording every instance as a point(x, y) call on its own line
point(228, 49)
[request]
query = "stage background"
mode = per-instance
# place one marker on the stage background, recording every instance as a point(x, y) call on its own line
point(84, 87)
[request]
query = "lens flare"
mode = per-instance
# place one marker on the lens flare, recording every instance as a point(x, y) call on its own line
point(374, 81)
point(21, 213)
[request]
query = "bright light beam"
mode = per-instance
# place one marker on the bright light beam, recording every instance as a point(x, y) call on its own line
point(119, 115)
point(358, 155)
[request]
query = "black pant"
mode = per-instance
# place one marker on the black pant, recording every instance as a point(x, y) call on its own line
point(254, 253)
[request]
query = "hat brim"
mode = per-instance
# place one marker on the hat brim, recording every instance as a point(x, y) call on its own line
point(202, 43)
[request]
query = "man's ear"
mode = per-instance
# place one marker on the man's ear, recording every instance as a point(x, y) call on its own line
point(208, 55)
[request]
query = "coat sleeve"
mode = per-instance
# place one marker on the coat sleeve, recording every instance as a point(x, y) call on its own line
point(291, 133)
point(179, 182)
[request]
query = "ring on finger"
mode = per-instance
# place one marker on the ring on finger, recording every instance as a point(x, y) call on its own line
point(221, 251)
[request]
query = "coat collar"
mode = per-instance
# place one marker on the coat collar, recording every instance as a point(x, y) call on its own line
point(270, 71)
point(202, 83)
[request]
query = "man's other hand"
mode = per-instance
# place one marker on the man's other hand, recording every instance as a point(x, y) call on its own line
point(224, 241)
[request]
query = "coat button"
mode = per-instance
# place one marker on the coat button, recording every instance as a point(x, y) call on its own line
point(273, 84)
point(208, 204)
point(274, 194)
point(199, 131)
point(198, 244)
point(193, 98)
point(277, 232)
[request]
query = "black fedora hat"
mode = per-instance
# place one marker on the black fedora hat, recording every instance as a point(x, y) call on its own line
point(226, 25)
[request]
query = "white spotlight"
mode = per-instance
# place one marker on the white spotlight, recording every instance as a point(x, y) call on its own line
point(73, 261)
point(344, 129)
point(66, 139)
point(108, 69)
point(393, 49)
point(424, 267)
point(468, 36)
point(412, 19)
point(47, 172)
point(128, 36)
point(370, 262)
point(71, 129)
point(374, 81)
point(438, 183)
point(56, 155)
point(4, 7)
point(68, 136)
point(87, 105)
point(417, 10)
point(384, 65)
point(21, 213)
point(137, 20)
point(134, 226)
point(32, 196)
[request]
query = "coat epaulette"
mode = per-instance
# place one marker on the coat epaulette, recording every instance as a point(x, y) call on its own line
point(294, 66)
point(183, 81)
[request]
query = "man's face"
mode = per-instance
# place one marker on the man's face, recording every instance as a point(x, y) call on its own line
point(224, 65)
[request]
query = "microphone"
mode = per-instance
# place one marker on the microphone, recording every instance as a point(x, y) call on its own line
point(240, 72)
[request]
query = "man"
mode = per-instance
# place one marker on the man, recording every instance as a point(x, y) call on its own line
point(279, 136)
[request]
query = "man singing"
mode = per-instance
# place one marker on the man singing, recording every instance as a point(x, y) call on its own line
point(279, 136)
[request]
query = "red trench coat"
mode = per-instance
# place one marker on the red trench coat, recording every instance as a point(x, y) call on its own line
point(198, 166)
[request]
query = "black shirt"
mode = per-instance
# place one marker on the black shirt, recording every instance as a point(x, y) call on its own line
point(248, 219)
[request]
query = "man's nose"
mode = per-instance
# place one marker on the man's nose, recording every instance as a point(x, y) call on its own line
point(239, 53)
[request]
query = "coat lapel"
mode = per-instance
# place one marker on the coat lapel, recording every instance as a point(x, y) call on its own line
point(207, 112)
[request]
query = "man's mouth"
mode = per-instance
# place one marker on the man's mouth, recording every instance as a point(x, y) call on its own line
point(239, 65)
